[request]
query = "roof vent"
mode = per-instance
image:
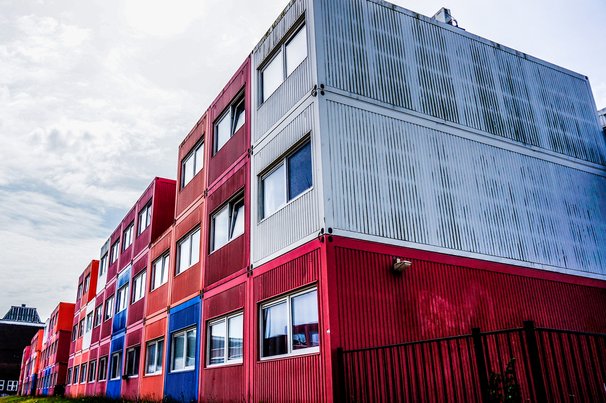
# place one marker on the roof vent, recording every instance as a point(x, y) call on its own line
point(445, 16)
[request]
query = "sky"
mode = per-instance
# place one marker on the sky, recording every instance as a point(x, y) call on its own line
point(96, 95)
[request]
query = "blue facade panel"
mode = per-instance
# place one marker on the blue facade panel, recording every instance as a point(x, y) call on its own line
point(119, 322)
point(114, 386)
point(45, 386)
point(183, 385)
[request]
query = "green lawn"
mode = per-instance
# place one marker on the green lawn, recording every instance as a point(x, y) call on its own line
point(44, 399)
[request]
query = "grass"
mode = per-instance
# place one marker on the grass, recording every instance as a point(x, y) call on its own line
point(54, 399)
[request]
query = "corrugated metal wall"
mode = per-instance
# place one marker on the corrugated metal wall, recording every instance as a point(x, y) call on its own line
point(397, 57)
point(299, 218)
point(432, 300)
point(398, 180)
point(294, 87)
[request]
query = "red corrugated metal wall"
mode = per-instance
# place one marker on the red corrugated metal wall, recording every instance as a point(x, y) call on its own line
point(434, 299)
point(296, 378)
point(226, 383)
point(163, 209)
point(152, 386)
point(196, 187)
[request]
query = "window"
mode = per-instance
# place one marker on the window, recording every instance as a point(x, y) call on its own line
point(144, 218)
point(132, 361)
point(227, 223)
point(228, 124)
point(86, 283)
point(1, 385)
point(139, 286)
point(89, 322)
point(225, 340)
point(75, 378)
point(11, 386)
point(290, 178)
point(69, 377)
point(98, 315)
point(81, 328)
point(109, 308)
point(183, 354)
point(122, 298)
point(290, 324)
point(153, 357)
point(74, 332)
point(83, 373)
point(188, 250)
point(79, 290)
point(102, 374)
point(92, 366)
point(114, 368)
point(127, 237)
point(192, 164)
point(284, 62)
point(115, 251)
point(103, 265)
point(159, 271)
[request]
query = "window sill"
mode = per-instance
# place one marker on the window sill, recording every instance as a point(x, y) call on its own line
point(179, 371)
point(297, 354)
point(233, 363)
point(282, 207)
point(152, 375)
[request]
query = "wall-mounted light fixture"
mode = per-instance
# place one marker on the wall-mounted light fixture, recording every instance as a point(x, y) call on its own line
point(399, 265)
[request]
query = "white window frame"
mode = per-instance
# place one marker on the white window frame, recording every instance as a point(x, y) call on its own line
point(89, 322)
point(12, 386)
point(75, 374)
point(136, 351)
point(226, 359)
point(280, 52)
point(98, 316)
point(102, 376)
point(155, 343)
point(83, 372)
point(231, 208)
point(230, 114)
point(114, 251)
point(190, 237)
point(92, 371)
point(139, 285)
point(284, 161)
point(117, 354)
point(127, 236)
point(103, 264)
point(163, 267)
point(185, 345)
point(144, 218)
point(288, 298)
point(108, 312)
point(193, 154)
point(122, 298)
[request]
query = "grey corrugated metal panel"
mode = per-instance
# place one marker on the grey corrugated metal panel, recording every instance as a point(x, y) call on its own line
point(299, 218)
point(391, 56)
point(292, 90)
point(290, 16)
point(398, 180)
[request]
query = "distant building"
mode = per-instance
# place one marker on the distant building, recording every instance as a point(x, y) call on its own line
point(602, 118)
point(17, 328)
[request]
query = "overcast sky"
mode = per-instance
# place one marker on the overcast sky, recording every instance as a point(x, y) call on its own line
point(95, 97)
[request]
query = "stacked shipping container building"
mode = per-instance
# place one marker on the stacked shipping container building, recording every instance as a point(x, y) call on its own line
point(368, 177)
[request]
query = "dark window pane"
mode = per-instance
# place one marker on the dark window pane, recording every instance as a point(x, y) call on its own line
point(305, 321)
point(299, 171)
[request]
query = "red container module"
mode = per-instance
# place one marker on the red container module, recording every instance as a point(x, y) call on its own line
point(23, 373)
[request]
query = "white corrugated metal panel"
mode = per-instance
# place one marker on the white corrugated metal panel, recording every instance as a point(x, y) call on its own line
point(299, 218)
point(296, 85)
point(399, 180)
point(379, 51)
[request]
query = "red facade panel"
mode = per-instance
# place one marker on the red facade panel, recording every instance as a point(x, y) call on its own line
point(157, 300)
point(194, 190)
point(233, 258)
point(238, 144)
point(112, 270)
point(443, 296)
point(295, 378)
point(106, 325)
point(163, 208)
point(188, 283)
point(126, 255)
point(152, 386)
point(136, 309)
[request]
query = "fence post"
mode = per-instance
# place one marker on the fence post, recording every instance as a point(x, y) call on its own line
point(480, 362)
point(535, 361)
point(340, 392)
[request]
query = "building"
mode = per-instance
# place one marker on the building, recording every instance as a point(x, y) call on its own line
point(602, 119)
point(377, 206)
point(17, 328)
point(55, 351)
